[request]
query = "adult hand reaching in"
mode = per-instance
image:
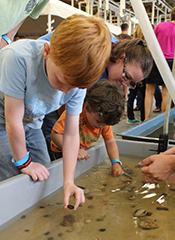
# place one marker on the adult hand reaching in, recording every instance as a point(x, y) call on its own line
point(158, 167)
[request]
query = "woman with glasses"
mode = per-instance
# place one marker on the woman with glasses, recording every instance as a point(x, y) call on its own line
point(138, 92)
point(130, 62)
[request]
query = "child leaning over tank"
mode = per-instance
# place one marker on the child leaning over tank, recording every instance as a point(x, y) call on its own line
point(38, 77)
point(103, 107)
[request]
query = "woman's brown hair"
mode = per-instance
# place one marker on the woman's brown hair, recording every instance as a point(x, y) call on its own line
point(136, 52)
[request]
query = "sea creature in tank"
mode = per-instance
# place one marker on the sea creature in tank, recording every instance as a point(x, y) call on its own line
point(128, 170)
point(132, 197)
point(162, 208)
point(161, 199)
point(149, 195)
point(151, 185)
point(147, 224)
point(68, 221)
point(115, 190)
point(70, 206)
point(172, 189)
point(126, 178)
point(140, 213)
point(101, 218)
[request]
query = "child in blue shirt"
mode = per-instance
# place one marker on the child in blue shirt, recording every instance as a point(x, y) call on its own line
point(37, 78)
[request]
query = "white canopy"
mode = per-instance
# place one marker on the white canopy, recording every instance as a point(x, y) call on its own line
point(63, 10)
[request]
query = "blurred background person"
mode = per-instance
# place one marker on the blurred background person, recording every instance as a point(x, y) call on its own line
point(165, 33)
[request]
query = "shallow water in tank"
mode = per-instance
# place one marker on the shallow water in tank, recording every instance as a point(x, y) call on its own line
point(171, 131)
point(108, 212)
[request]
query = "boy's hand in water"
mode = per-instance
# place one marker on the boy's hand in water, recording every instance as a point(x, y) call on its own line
point(116, 170)
point(70, 189)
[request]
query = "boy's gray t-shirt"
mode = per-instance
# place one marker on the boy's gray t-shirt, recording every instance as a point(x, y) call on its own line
point(23, 76)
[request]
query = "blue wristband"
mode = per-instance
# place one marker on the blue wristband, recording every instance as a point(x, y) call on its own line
point(7, 39)
point(116, 160)
point(20, 162)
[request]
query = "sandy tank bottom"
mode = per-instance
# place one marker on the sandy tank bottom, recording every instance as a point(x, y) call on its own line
point(125, 207)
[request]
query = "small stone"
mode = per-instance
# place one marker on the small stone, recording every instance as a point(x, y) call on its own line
point(60, 234)
point(47, 215)
point(89, 197)
point(46, 233)
point(58, 203)
point(100, 219)
point(69, 230)
point(87, 221)
point(91, 206)
point(102, 229)
point(23, 216)
point(86, 191)
point(50, 204)
point(26, 230)
point(162, 208)
point(70, 206)
point(42, 207)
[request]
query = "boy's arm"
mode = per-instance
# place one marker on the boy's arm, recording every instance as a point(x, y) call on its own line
point(57, 138)
point(70, 151)
point(14, 111)
point(113, 153)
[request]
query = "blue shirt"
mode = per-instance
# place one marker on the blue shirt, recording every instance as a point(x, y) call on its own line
point(105, 73)
point(23, 76)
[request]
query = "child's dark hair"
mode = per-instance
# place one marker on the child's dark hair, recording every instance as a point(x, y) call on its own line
point(108, 100)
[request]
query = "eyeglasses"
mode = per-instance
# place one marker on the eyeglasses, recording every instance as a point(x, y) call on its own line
point(126, 79)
